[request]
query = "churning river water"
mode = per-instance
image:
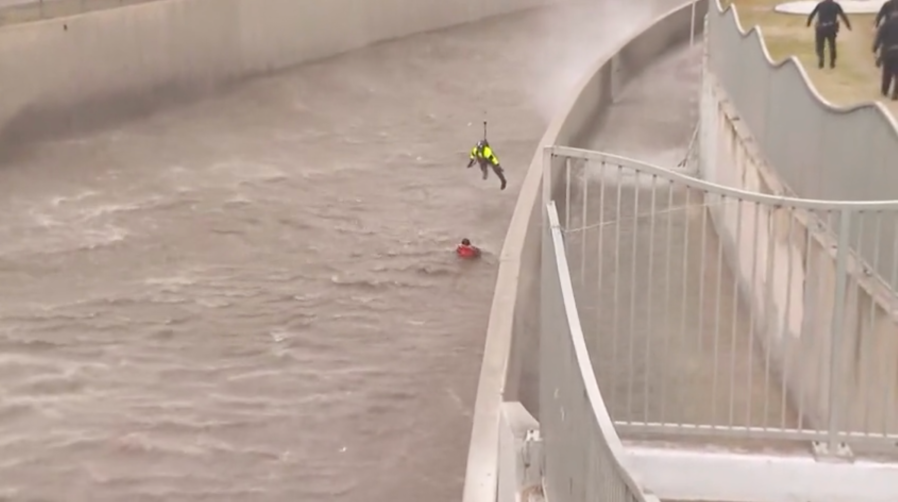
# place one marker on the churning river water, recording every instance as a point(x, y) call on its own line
point(254, 297)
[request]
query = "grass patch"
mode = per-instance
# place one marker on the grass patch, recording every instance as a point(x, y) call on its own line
point(855, 78)
point(49, 9)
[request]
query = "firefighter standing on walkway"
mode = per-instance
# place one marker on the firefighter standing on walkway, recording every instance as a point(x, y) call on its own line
point(887, 44)
point(884, 11)
point(828, 13)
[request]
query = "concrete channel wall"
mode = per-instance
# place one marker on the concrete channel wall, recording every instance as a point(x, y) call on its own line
point(71, 72)
point(510, 361)
point(795, 305)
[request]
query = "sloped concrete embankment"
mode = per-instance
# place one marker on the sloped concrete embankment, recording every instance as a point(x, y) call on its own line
point(82, 71)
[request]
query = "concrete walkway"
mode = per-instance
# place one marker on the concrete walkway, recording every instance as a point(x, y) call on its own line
point(746, 477)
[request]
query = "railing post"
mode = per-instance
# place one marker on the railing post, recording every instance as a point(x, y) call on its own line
point(834, 446)
point(547, 184)
point(692, 25)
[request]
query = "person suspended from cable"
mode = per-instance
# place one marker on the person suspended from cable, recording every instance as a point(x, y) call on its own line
point(484, 155)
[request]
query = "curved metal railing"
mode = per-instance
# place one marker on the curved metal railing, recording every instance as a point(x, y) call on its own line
point(584, 457)
point(726, 313)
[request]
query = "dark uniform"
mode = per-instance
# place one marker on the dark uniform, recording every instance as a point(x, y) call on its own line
point(887, 43)
point(484, 155)
point(884, 12)
point(828, 13)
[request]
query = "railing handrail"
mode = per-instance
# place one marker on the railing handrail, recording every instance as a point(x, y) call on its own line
point(697, 183)
point(584, 363)
point(783, 273)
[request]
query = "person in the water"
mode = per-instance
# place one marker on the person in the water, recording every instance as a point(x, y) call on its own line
point(467, 250)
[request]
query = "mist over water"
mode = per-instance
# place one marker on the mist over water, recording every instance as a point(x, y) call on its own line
point(254, 297)
point(583, 34)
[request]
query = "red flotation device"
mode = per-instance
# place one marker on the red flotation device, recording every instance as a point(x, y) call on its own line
point(466, 250)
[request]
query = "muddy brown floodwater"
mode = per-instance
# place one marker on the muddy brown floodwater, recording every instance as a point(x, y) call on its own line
point(254, 297)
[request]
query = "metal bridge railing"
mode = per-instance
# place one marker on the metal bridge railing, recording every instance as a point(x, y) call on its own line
point(582, 451)
point(727, 314)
